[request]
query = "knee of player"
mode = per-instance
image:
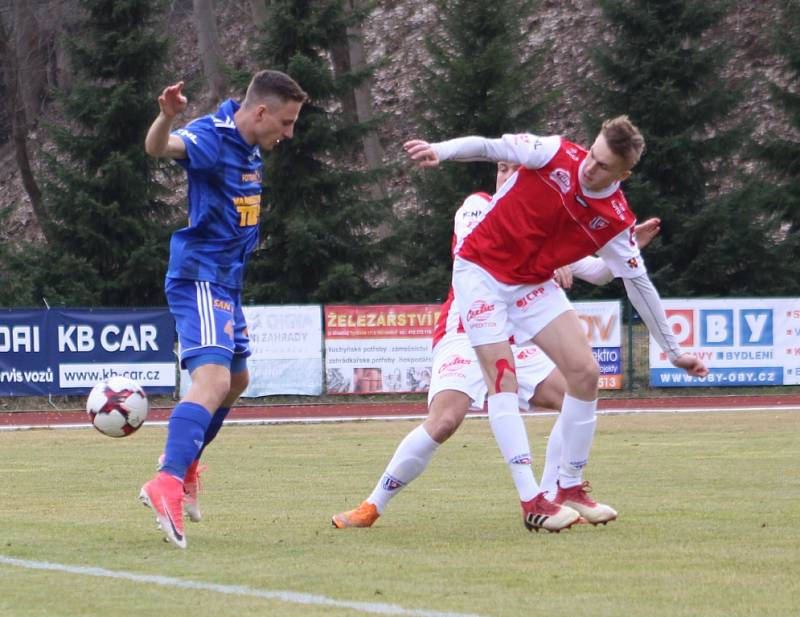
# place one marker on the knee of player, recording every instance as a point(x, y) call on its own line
point(216, 384)
point(505, 377)
point(239, 382)
point(588, 372)
point(444, 425)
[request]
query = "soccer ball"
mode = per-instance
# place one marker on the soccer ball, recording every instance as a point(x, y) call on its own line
point(117, 406)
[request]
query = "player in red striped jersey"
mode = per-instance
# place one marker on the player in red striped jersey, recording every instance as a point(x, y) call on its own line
point(458, 387)
point(564, 203)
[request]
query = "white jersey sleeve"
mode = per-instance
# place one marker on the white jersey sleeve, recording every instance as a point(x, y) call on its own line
point(645, 299)
point(528, 150)
point(592, 270)
point(621, 255)
point(469, 214)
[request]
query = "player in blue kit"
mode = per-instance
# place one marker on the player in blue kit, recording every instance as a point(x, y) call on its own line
point(221, 155)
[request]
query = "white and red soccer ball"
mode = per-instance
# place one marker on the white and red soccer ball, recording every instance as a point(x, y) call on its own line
point(117, 406)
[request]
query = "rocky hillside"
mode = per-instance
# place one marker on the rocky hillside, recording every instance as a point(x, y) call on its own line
point(396, 31)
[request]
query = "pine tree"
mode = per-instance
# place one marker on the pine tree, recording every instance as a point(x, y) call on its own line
point(479, 82)
point(318, 240)
point(109, 242)
point(659, 69)
point(781, 152)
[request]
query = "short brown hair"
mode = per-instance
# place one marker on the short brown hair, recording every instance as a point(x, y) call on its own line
point(623, 138)
point(269, 83)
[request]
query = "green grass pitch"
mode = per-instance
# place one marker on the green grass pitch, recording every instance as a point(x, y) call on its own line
point(709, 524)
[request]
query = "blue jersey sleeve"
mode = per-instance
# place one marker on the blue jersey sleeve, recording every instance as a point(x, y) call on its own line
point(202, 144)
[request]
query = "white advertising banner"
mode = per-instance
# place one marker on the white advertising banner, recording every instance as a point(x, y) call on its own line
point(744, 342)
point(286, 345)
point(602, 324)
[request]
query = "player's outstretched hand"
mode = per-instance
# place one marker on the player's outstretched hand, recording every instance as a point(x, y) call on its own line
point(691, 364)
point(563, 276)
point(646, 231)
point(171, 101)
point(421, 153)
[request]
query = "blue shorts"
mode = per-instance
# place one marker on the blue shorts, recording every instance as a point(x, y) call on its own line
point(209, 319)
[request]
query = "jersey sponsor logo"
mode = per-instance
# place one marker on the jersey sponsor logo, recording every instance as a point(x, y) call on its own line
point(561, 178)
point(253, 176)
point(188, 135)
point(479, 311)
point(598, 223)
point(633, 263)
point(530, 297)
point(572, 153)
point(454, 364)
point(249, 209)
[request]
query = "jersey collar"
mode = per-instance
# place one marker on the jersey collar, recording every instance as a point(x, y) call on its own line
point(223, 119)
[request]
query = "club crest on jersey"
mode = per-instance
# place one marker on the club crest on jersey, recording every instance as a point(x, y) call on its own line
point(561, 178)
point(390, 483)
point(598, 223)
point(479, 311)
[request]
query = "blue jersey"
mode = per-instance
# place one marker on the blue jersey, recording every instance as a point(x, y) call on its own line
point(224, 174)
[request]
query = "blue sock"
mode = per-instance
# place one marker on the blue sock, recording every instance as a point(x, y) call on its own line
point(185, 433)
point(213, 428)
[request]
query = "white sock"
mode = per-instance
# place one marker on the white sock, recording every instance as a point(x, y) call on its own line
point(552, 459)
point(579, 420)
point(409, 461)
point(512, 438)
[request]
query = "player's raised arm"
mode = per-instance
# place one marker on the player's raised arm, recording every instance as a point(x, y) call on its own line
point(159, 141)
point(523, 149)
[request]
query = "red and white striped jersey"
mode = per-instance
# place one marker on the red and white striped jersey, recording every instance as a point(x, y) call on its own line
point(591, 269)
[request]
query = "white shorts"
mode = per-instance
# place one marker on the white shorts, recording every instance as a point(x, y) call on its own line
point(456, 367)
point(493, 312)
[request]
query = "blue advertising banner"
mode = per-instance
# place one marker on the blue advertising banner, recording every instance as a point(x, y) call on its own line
point(67, 351)
point(743, 341)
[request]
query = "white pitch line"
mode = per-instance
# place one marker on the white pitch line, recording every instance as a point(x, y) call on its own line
point(291, 597)
point(338, 419)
